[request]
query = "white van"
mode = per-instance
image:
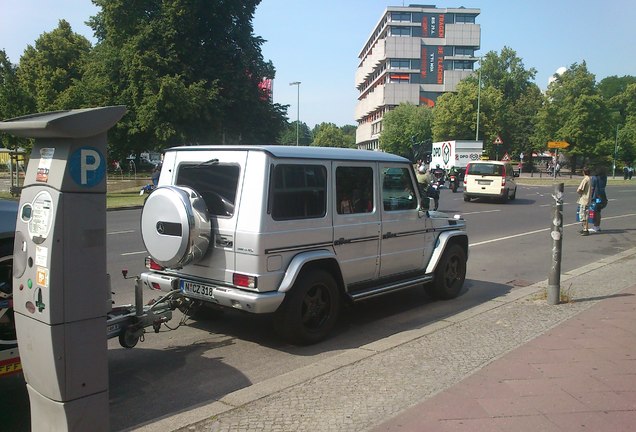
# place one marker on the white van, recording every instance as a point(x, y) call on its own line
point(490, 179)
point(295, 231)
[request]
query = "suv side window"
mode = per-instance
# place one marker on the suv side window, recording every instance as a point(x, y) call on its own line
point(397, 190)
point(354, 190)
point(298, 192)
point(216, 183)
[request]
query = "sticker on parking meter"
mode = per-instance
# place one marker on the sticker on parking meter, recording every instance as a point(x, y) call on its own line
point(41, 217)
point(44, 166)
point(87, 166)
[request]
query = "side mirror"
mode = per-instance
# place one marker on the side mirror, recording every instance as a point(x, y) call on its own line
point(516, 173)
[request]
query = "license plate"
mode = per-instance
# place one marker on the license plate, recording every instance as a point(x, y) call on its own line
point(197, 290)
point(483, 182)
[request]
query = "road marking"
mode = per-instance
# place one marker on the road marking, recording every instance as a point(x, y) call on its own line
point(134, 253)
point(480, 212)
point(120, 232)
point(541, 230)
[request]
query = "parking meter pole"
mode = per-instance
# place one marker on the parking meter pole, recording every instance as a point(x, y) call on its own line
point(554, 278)
point(60, 282)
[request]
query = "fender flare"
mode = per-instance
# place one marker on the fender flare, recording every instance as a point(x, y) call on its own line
point(298, 262)
point(442, 241)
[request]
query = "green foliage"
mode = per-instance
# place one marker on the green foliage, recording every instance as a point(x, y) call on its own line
point(574, 111)
point(288, 135)
point(14, 101)
point(48, 71)
point(404, 127)
point(330, 135)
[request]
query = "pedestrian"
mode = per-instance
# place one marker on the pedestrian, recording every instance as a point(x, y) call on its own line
point(584, 190)
point(630, 172)
point(598, 196)
point(625, 172)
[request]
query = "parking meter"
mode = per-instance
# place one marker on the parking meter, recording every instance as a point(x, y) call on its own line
point(60, 289)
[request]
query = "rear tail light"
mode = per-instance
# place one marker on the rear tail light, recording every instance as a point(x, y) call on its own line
point(244, 281)
point(152, 265)
point(503, 176)
point(466, 173)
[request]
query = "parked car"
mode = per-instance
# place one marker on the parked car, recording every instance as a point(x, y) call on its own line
point(490, 179)
point(295, 232)
point(9, 360)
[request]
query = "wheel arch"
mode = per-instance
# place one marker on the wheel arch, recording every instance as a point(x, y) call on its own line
point(444, 240)
point(322, 259)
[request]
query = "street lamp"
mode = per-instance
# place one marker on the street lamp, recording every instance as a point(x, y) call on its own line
point(297, 84)
point(615, 154)
point(478, 101)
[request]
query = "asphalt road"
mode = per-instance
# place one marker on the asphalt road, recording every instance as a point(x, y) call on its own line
point(510, 246)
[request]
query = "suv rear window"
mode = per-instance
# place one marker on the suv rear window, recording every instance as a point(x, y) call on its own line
point(486, 169)
point(215, 182)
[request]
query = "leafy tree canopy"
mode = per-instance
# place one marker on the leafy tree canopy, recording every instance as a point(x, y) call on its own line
point(405, 126)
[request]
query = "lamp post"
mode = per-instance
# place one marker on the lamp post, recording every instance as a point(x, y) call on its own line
point(478, 101)
point(297, 84)
point(615, 154)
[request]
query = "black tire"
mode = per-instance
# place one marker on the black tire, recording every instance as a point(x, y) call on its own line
point(466, 198)
point(7, 324)
point(310, 309)
point(514, 195)
point(449, 274)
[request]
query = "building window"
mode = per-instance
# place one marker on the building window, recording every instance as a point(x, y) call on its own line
point(400, 64)
point(399, 78)
point(464, 19)
point(401, 31)
point(400, 17)
point(462, 65)
point(464, 51)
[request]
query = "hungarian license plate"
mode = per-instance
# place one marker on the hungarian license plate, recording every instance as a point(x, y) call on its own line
point(197, 290)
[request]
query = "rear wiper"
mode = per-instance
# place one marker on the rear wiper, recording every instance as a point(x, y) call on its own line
point(209, 162)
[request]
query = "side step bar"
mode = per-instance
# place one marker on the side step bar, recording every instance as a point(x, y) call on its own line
point(379, 290)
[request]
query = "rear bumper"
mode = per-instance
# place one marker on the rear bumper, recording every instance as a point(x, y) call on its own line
point(248, 301)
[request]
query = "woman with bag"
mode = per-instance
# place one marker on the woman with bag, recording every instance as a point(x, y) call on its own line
point(598, 196)
point(584, 190)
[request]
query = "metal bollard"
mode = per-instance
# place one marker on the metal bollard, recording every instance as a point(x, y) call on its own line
point(554, 278)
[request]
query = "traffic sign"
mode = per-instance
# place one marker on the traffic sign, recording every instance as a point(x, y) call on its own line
point(558, 144)
point(505, 157)
point(498, 140)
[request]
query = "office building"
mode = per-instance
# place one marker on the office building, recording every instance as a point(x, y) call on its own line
point(414, 54)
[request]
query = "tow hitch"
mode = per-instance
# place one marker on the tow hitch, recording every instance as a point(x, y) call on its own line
point(129, 322)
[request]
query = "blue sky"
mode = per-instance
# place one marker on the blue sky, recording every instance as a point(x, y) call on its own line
point(317, 42)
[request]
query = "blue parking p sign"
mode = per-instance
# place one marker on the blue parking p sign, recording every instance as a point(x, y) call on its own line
point(87, 166)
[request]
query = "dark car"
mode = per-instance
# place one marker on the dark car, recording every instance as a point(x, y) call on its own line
point(8, 353)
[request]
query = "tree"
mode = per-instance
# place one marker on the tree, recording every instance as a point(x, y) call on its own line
point(456, 114)
point(575, 112)
point(188, 70)
point(330, 135)
point(14, 101)
point(50, 69)
point(520, 99)
point(288, 135)
point(405, 126)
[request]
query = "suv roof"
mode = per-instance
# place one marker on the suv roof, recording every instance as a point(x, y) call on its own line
point(304, 152)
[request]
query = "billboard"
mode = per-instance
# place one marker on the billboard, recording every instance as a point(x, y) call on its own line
point(433, 25)
point(432, 68)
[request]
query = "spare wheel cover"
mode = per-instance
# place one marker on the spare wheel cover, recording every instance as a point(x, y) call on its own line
point(175, 226)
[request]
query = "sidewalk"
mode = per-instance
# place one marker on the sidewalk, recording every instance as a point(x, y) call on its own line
point(513, 363)
point(579, 376)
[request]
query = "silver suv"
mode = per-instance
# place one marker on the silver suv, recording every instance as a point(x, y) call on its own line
point(295, 231)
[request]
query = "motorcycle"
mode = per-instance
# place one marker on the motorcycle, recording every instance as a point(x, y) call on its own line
point(453, 182)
